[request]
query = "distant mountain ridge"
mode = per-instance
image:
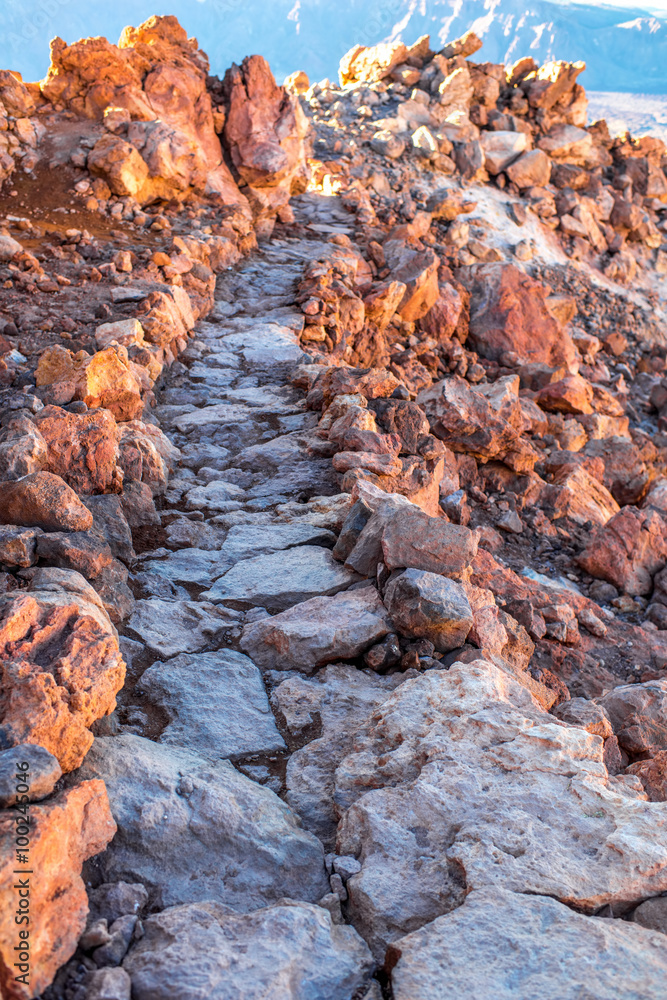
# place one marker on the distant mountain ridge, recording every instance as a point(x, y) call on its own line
point(625, 49)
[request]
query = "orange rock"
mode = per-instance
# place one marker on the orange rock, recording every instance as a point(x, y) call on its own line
point(82, 448)
point(65, 831)
point(159, 75)
point(509, 313)
point(264, 133)
point(370, 64)
point(121, 166)
point(60, 665)
point(106, 379)
point(43, 500)
point(628, 550)
point(572, 394)
point(418, 270)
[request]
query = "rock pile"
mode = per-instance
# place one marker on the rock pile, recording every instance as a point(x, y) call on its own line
point(333, 573)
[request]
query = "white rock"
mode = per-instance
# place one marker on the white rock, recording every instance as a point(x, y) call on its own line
point(214, 496)
point(340, 698)
point(472, 785)
point(245, 541)
point(319, 631)
point(9, 247)
point(191, 830)
point(507, 946)
point(280, 579)
point(125, 331)
point(502, 148)
point(216, 704)
point(290, 951)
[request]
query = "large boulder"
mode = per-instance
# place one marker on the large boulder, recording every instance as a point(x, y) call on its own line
point(628, 550)
point(60, 665)
point(159, 75)
point(82, 448)
point(292, 950)
point(264, 134)
point(460, 782)
point(506, 945)
point(485, 421)
point(509, 313)
point(192, 830)
point(64, 831)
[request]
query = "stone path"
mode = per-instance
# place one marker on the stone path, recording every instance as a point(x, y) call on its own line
point(241, 755)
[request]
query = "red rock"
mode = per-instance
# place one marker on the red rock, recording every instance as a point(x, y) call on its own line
point(485, 421)
point(448, 315)
point(381, 465)
point(159, 76)
point(146, 455)
point(628, 551)
point(637, 714)
point(508, 312)
point(653, 776)
point(580, 496)
point(418, 270)
point(372, 383)
point(60, 666)
point(43, 500)
point(573, 394)
point(65, 830)
point(625, 474)
point(414, 540)
point(264, 134)
point(531, 169)
point(82, 448)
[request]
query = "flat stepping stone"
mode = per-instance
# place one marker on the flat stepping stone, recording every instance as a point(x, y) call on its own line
point(281, 579)
point(216, 703)
point(168, 628)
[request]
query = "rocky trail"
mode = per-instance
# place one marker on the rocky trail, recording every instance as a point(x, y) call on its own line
point(333, 541)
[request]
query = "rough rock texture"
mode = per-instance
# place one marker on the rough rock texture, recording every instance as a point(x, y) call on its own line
point(428, 606)
point(216, 704)
point(155, 72)
point(291, 949)
point(43, 500)
point(488, 948)
point(43, 769)
point(473, 771)
point(628, 550)
point(66, 830)
point(81, 448)
point(320, 631)
point(508, 312)
point(61, 665)
point(249, 850)
point(264, 133)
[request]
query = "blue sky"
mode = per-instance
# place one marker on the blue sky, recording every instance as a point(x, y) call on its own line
point(314, 34)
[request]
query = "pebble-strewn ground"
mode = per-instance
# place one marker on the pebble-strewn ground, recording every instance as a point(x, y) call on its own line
point(333, 531)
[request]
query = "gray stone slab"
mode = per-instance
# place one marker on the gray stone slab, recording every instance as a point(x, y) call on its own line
point(191, 830)
point(168, 628)
point(216, 703)
point(281, 579)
